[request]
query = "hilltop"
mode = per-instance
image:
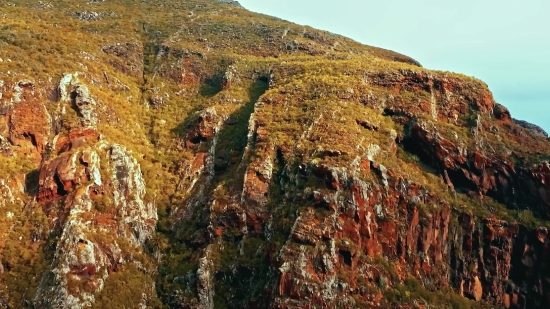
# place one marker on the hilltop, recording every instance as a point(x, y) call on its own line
point(193, 154)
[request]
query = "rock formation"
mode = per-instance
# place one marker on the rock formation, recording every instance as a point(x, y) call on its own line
point(192, 154)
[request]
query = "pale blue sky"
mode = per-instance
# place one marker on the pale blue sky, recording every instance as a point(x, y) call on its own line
point(505, 43)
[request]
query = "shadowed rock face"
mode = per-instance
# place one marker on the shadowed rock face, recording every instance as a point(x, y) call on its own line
point(488, 175)
point(192, 154)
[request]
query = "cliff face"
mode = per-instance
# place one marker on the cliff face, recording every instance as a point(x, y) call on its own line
point(196, 155)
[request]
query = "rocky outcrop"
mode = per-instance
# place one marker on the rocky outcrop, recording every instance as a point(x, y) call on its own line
point(502, 262)
point(6, 192)
point(128, 57)
point(258, 175)
point(489, 262)
point(541, 180)
point(478, 171)
point(95, 196)
point(29, 121)
point(229, 77)
point(5, 147)
point(256, 188)
point(88, 15)
point(502, 113)
point(137, 217)
point(204, 128)
point(205, 278)
point(361, 226)
point(76, 139)
point(534, 129)
point(85, 105)
point(442, 97)
point(74, 93)
point(232, 2)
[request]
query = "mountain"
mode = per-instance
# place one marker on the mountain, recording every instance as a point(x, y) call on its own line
point(192, 154)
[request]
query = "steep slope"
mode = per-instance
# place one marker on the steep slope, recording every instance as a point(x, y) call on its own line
point(192, 154)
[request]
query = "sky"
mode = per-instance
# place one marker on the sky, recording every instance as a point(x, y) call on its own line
point(505, 43)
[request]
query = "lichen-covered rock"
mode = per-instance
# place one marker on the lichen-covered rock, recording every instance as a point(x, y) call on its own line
point(88, 15)
point(6, 193)
point(95, 195)
point(205, 284)
point(73, 92)
point(137, 217)
point(5, 147)
point(229, 77)
point(85, 104)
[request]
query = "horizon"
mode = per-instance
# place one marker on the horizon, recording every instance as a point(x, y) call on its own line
point(504, 47)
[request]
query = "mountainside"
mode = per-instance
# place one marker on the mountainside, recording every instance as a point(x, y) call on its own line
point(192, 154)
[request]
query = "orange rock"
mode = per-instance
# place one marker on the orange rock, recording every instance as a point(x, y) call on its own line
point(478, 289)
point(29, 122)
point(77, 139)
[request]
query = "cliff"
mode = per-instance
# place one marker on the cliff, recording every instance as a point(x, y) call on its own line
point(192, 154)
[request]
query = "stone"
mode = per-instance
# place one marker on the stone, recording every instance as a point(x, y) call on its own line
point(43, 5)
point(501, 113)
point(88, 15)
point(229, 77)
point(203, 128)
point(231, 2)
point(85, 105)
point(81, 255)
point(129, 57)
point(29, 121)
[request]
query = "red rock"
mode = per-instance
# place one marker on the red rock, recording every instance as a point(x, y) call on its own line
point(203, 128)
point(77, 139)
point(29, 122)
point(85, 271)
point(501, 113)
